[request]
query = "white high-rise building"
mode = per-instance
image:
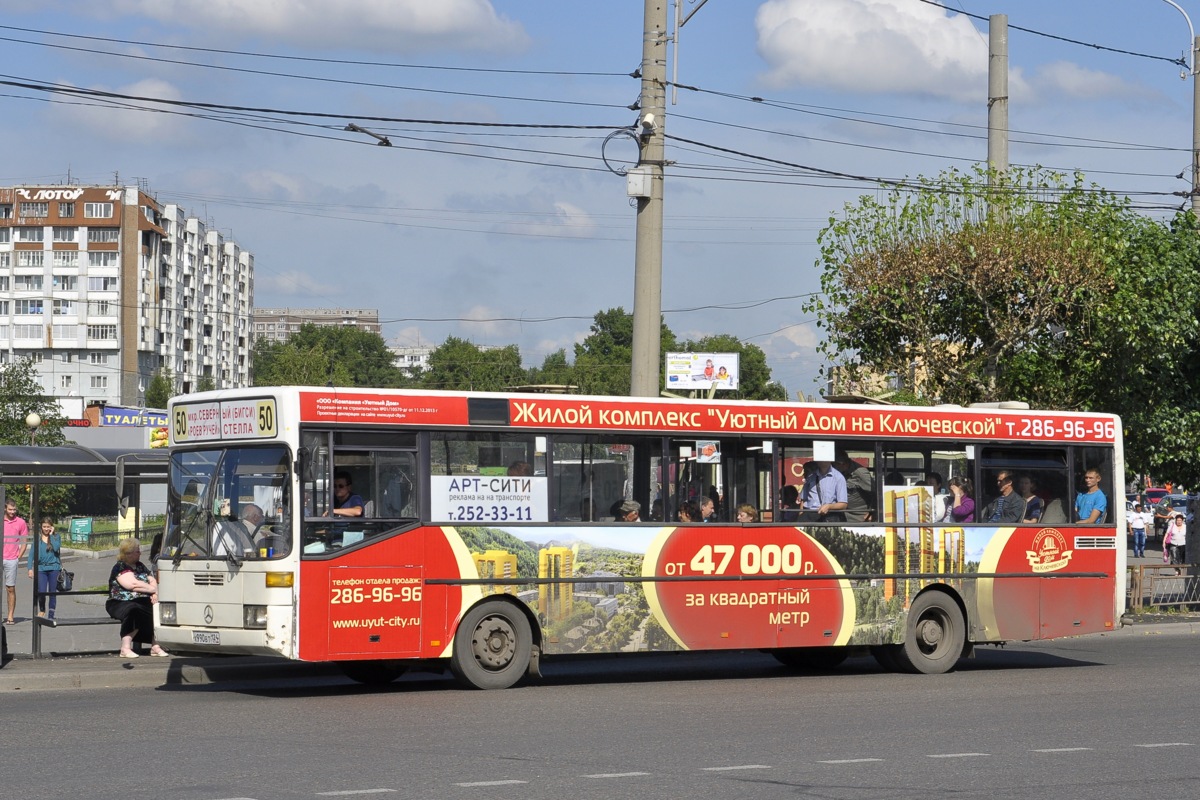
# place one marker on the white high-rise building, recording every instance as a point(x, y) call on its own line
point(103, 286)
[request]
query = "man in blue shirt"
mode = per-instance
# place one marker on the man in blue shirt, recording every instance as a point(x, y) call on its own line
point(824, 495)
point(345, 502)
point(1091, 505)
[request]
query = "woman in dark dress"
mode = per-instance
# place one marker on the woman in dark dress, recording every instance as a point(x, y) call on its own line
point(132, 593)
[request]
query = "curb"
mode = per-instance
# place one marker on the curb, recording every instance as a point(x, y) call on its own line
point(108, 671)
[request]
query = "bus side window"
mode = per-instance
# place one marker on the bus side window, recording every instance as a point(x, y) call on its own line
point(593, 475)
point(395, 486)
point(1097, 460)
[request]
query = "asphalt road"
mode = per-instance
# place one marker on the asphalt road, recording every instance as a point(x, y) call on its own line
point(1095, 718)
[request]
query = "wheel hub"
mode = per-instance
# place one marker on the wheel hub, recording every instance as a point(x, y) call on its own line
point(931, 633)
point(494, 643)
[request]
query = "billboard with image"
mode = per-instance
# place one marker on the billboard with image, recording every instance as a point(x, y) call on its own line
point(687, 371)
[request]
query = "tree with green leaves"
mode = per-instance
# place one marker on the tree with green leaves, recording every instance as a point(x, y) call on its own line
point(318, 355)
point(603, 360)
point(161, 390)
point(1031, 288)
point(20, 395)
point(459, 365)
point(754, 379)
point(964, 275)
point(555, 370)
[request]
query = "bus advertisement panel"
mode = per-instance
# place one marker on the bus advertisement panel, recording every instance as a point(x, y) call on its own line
point(490, 531)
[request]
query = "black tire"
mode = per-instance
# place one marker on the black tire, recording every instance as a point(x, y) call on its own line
point(492, 646)
point(816, 659)
point(885, 656)
point(372, 673)
point(934, 636)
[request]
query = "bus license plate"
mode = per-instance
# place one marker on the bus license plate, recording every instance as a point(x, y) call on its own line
point(206, 637)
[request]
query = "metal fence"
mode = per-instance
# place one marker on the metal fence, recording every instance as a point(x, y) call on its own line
point(1164, 586)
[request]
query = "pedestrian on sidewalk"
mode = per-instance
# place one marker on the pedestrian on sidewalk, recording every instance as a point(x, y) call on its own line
point(16, 542)
point(1137, 522)
point(1177, 528)
point(48, 563)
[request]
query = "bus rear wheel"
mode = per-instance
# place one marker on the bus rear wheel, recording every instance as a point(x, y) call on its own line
point(935, 635)
point(372, 673)
point(492, 646)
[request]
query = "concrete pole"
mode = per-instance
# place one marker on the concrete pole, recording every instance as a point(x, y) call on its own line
point(647, 279)
point(998, 92)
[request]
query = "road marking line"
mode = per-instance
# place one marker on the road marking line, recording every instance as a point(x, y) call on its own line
point(615, 775)
point(1061, 750)
point(1166, 744)
point(354, 791)
point(849, 761)
point(743, 766)
point(491, 783)
point(955, 755)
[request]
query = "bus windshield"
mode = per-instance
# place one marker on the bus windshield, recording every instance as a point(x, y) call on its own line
point(230, 503)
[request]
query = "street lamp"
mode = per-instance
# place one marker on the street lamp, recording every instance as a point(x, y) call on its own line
point(33, 422)
point(1190, 66)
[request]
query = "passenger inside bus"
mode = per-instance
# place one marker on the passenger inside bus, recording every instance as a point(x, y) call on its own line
point(789, 503)
point(345, 502)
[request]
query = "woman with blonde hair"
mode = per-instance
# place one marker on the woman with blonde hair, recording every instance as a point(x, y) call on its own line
point(747, 513)
point(132, 593)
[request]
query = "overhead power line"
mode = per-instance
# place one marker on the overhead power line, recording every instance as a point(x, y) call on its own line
point(280, 57)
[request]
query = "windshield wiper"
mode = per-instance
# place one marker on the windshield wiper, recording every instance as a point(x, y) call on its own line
point(186, 535)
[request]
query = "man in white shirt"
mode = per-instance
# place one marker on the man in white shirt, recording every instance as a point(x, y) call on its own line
point(1136, 521)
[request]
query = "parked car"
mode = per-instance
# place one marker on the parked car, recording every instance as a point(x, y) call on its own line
point(1154, 496)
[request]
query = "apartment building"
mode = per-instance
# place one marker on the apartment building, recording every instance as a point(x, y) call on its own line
point(277, 324)
point(103, 286)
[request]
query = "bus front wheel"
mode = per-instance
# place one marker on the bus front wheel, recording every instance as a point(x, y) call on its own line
point(492, 646)
point(935, 635)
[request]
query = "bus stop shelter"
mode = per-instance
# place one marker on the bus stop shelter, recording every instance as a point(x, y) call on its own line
point(114, 481)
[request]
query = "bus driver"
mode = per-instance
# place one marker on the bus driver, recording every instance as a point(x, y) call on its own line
point(345, 502)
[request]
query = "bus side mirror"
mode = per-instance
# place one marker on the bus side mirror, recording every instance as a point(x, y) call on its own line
point(301, 464)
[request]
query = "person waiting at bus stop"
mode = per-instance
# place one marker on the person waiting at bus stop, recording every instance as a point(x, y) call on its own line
point(48, 564)
point(345, 502)
point(132, 593)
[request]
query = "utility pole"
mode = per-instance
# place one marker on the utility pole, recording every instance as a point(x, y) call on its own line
point(647, 279)
point(1195, 128)
point(998, 93)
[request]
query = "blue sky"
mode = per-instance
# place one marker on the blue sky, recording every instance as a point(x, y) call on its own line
point(525, 240)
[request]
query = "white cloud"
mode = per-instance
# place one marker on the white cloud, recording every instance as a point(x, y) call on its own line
point(1063, 79)
point(116, 122)
point(293, 283)
point(872, 46)
point(903, 46)
point(380, 25)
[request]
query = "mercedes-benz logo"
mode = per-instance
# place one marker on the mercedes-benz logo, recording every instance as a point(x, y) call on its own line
point(208, 615)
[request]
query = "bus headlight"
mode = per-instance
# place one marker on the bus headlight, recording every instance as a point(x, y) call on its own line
point(166, 613)
point(254, 616)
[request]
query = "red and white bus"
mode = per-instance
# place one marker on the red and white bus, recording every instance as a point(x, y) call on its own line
point(488, 531)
